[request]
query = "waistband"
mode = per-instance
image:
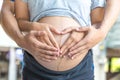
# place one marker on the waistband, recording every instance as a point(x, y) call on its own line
point(30, 61)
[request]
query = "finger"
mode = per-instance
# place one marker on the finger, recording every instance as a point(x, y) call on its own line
point(38, 33)
point(47, 57)
point(80, 43)
point(64, 47)
point(52, 39)
point(77, 50)
point(50, 53)
point(78, 54)
point(38, 44)
point(41, 40)
point(46, 60)
point(70, 29)
point(55, 31)
point(66, 51)
point(39, 57)
point(45, 47)
point(47, 40)
point(72, 44)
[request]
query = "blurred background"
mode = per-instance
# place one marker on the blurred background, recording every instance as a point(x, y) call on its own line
point(106, 56)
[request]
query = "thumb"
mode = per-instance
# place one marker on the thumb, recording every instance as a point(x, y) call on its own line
point(55, 31)
point(38, 33)
point(68, 30)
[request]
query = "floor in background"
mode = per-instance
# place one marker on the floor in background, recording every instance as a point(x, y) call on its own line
point(116, 77)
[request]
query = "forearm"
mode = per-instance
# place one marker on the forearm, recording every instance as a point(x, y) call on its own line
point(111, 13)
point(9, 23)
point(24, 25)
point(27, 26)
point(0, 17)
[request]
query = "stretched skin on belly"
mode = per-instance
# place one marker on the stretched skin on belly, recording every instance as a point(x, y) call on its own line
point(60, 23)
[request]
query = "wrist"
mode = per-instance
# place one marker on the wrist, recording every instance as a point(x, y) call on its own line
point(101, 28)
point(35, 26)
point(20, 40)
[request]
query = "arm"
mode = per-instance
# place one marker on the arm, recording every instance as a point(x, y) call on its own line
point(26, 25)
point(96, 17)
point(91, 39)
point(111, 13)
point(9, 23)
point(0, 17)
point(29, 41)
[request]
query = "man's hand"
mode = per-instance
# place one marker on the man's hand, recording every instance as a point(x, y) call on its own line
point(36, 48)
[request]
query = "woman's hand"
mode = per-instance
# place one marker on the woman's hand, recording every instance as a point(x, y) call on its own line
point(48, 37)
point(36, 48)
point(72, 40)
point(92, 36)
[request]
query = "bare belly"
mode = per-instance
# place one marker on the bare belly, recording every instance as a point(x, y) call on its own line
point(61, 64)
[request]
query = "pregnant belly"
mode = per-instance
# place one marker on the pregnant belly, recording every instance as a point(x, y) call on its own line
point(65, 63)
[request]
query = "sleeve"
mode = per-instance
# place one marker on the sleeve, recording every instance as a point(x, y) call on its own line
point(98, 3)
point(25, 1)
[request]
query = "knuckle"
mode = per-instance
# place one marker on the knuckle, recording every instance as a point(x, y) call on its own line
point(67, 43)
point(47, 57)
point(35, 45)
point(76, 40)
point(72, 37)
point(47, 52)
point(44, 46)
point(31, 32)
point(45, 33)
point(87, 40)
point(87, 46)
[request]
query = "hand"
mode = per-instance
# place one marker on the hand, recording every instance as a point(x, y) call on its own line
point(48, 37)
point(93, 36)
point(36, 48)
point(72, 40)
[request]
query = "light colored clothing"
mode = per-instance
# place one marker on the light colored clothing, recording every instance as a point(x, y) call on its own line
point(76, 9)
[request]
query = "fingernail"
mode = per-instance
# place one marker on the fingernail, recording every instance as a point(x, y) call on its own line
point(60, 52)
point(60, 55)
point(63, 56)
point(62, 32)
point(49, 60)
point(71, 49)
point(55, 49)
point(55, 58)
point(72, 58)
point(69, 54)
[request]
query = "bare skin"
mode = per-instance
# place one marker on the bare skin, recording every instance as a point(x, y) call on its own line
point(111, 14)
point(91, 38)
point(61, 23)
point(60, 63)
